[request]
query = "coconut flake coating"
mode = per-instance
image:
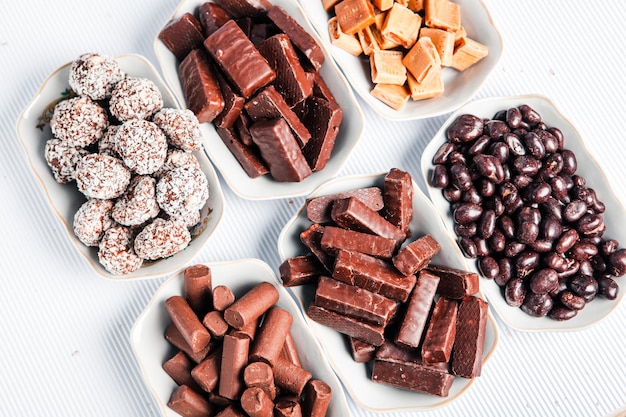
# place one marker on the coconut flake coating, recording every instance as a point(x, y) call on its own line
point(95, 75)
point(79, 121)
point(62, 158)
point(190, 219)
point(138, 203)
point(101, 176)
point(135, 98)
point(142, 146)
point(106, 144)
point(92, 219)
point(116, 252)
point(182, 190)
point(177, 158)
point(161, 238)
point(181, 128)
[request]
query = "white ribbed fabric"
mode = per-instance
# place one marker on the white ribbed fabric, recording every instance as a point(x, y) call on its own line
point(65, 347)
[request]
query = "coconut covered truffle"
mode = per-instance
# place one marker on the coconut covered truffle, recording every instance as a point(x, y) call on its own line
point(182, 190)
point(101, 176)
point(106, 144)
point(62, 158)
point(142, 146)
point(135, 98)
point(138, 204)
point(181, 128)
point(79, 120)
point(92, 219)
point(116, 252)
point(95, 76)
point(161, 238)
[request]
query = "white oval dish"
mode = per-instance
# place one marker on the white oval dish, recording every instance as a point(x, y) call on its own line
point(64, 199)
point(354, 376)
point(459, 86)
point(614, 216)
point(264, 187)
point(151, 349)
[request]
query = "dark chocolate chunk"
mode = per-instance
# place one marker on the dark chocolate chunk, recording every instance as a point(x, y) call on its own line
point(212, 17)
point(337, 238)
point(416, 255)
point(412, 376)
point(244, 8)
point(437, 345)
point(417, 311)
point(182, 35)
point(455, 283)
point(469, 344)
point(361, 352)
point(398, 196)
point(311, 238)
point(200, 86)
point(233, 105)
point(369, 333)
point(247, 156)
point(300, 270)
point(322, 119)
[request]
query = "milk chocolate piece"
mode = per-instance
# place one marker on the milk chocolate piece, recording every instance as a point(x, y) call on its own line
point(321, 90)
point(300, 270)
point(188, 403)
point(175, 337)
point(311, 238)
point(322, 119)
point(318, 209)
point(290, 377)
point(469, 343)
point(413, 377)
point(248, 330)
point(239, 59)
point(233, 105)
point(352, 213)
point(291, 80)
point(256, 403)
point(271, 336)
point(439, 338)
point(207, 373)
point(280, 150)
point(252, 305)
point(372, 274)
point(398, 197)
point(337, 238)
point(270, 104)
point(417, 311)
point(179, 367)
point(317, 395)
point(455, 283)
point(289, 351)
point(260, 374)
point(215, 324)
point(287, 408)
point(416, 255)
point(354, 302)
point(231, 410)
point(298, 35)
point(369, 333)
point(361, 352)
point(200, 87)
point(212, 17)
point(223, 297)
point(182, 35)
point(248, 157)
point(390, 352)
point(187, 322)
point(234, 360)
point(197, 287)
point(242, 127)
point(244, 8)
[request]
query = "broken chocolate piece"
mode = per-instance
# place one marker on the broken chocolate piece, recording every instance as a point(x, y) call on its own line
point(455, 283)
point(200, 86)
point(437, 346)
point(233, 105)
point(416, 255)
point(182, 35)
point(417, 311)
point(318, 209)
point(311, 238)
point(361, 352)
point(300, 270)
point(188, 403)
point(469, 343)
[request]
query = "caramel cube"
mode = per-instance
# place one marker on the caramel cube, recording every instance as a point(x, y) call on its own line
point(442, 14)
point(443, 41)
point(415, 5)
point(468, 52)
point(383, 5)
point(354, 15)
point(423, 59)
point(368, 37)
point(431, 87)
point(383, 42)
point(387, 67)
point(401, 25)
point(339, 38)
point(329, 4)
point(393, 95)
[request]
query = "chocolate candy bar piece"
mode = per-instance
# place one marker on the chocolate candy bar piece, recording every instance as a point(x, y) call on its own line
point(270, 338)
point(287, 408)
point(206, 374)
point(323, 120)
point(412, 376)
point(248, 157)
point(261, 31)
point(369, 333)
point(182, 35)
point(252, 305)
point(290, 377)
point(242, 127)
point(291, 80)
point(390, 352)
point(223, 297)
point(270, 104)
point(354, 302)
point(321, 90)
point(260, 374)
point(361, 352)
point(200, 86)
point(417, 311)
point(215, 324)
point(256, 403)
point(311, 238)
point(439, 338)
point(317, 395)
point(298, 35)
point(212, 17)
point(372, 274)
point(188, 403)
point(233, 105)
point(280, 150)
point(175, 337)
point(398, 197)
point(352, 213)
point(239, 59)
point(234, 360)
point(289, 351)
point(187, 322)
point(336, 238)
point(469, 344)
point(179, 367)
point(416, 255)
point(300, 270)
point(318, 209)
point(244, 8)
point(455, 283)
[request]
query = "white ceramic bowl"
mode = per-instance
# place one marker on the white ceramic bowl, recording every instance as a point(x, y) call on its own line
point(614, 217)
point(151, 349)
point(264, 187)
point(64, 199)
point(371, 395)
point(459, 86)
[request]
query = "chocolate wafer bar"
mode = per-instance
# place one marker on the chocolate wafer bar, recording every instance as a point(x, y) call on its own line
point(469, 344)
point(200, 86)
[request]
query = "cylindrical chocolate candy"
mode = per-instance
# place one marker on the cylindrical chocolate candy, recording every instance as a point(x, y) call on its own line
point(256, 403)
point(197, 284)
point(271, 336)
point(251, 305)
point(187, 322)
point(234, 359)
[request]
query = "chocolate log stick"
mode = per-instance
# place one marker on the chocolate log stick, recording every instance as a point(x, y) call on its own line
point(189, 403)
point(260, 374)
point(251, 305)
point(271, 336)
point(336, 238)
point(317, 395)
point(234, 359)
point(197, 288)
point(256, 403)
point(290, 377)
point(437, 346)
point(207, 373)
point(179, 367)
point(174, 336)
point(187, 322)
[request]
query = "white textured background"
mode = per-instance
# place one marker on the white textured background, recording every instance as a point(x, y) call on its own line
point(64, 332)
